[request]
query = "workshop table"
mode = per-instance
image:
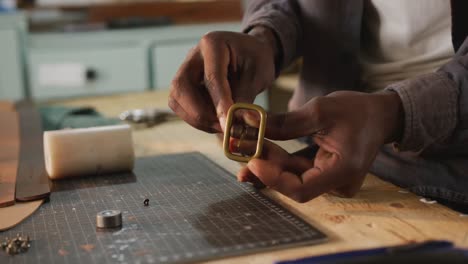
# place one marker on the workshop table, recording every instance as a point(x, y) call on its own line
point(381, 214)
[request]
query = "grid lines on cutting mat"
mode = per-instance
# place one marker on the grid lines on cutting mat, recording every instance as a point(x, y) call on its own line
point(197, 211)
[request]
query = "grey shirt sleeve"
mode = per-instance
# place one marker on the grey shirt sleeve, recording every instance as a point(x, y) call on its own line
point(436, 108)
point(281, 16)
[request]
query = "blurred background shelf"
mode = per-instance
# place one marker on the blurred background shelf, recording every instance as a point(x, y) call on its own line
point(13, 80)
point(52, 14)
point(111, 61)
point(69, 48)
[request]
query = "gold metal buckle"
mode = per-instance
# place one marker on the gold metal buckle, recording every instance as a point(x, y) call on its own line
point(261, 131)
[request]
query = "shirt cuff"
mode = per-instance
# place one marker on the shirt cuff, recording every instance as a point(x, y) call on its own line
point(430, 104)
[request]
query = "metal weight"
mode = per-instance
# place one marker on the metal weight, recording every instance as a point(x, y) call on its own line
point(109, 219)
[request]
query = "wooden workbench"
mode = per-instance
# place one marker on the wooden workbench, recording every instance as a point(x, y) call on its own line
point(380, 215)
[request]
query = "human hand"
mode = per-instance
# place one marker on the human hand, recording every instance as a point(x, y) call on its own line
point(225, 67)
point(348, 127)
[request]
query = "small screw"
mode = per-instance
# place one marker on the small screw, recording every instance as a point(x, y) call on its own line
point(12, 249)
point(24, 246)
point(15, 245)
point(146, 202)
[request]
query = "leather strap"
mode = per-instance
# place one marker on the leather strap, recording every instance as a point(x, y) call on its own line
point(13, 215)
point(32, 181)
point(9, 153)
point(7, 106)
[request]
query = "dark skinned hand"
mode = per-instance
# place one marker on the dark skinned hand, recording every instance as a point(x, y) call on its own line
point(348, 127)
point(224, 68)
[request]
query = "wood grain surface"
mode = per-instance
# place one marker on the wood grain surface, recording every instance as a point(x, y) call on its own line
point(381, 214)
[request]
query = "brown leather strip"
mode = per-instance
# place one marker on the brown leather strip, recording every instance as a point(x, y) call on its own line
point(7, 106)
point(9, 153)
point(32, 181)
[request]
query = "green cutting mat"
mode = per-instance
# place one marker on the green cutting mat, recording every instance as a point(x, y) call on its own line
point(197, 211)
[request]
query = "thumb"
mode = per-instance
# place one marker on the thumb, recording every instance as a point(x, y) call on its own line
point(299, 123)
point(220, 93)
point(216, 63)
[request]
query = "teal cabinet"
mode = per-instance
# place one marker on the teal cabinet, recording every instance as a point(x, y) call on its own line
point(11, 77)
point(113, 61)
point(12, 31)
point(166, 60)
point(58, 65)
point(86, 71)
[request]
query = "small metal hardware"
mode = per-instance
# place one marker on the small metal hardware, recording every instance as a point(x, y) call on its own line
point(243, 132)
point(15, 245)
point(109, 219)
point(146, 202)
point(149, 117)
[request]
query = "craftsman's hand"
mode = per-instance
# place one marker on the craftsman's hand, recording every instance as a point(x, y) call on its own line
point(225, 67)
point(348, 127)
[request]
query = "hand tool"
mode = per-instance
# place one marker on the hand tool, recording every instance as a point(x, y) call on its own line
point(150, 116)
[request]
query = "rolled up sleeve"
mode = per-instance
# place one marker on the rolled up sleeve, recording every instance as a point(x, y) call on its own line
point(436, 106)
point(281, 16)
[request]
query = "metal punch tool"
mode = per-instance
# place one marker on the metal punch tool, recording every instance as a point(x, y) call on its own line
point(244, 132)
point(150, 116)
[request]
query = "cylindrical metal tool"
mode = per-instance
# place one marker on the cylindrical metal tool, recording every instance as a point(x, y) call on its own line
point(109, 219)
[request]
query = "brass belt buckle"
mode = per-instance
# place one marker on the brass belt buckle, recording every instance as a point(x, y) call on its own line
point(261, 131)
